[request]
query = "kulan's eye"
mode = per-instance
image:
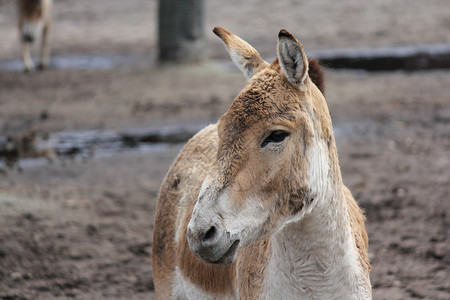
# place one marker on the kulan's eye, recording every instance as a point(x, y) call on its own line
point(276, 136)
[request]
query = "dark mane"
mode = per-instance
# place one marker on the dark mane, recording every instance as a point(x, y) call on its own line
point(31, 7)
point(316, 74)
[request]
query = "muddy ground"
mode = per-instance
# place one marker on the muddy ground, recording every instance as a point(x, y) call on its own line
point(81, 228)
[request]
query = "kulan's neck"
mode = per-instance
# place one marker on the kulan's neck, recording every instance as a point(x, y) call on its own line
point(316, 257)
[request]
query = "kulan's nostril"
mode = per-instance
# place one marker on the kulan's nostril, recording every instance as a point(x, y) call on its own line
point(210, 234)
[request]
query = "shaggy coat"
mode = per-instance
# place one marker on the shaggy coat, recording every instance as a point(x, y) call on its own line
point(254, 206)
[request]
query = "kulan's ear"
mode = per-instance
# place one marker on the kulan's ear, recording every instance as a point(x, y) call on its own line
point(244, 56)
point(292, 58)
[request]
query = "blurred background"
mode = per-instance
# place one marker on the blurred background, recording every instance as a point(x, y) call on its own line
point(86, 143)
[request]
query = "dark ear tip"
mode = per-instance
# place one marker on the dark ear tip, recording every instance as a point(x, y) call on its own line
point(284, 33)
point(219, 31)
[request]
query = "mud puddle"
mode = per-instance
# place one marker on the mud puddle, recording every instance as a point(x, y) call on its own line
point(83, 62)
point(36, 148)
point(87, 143)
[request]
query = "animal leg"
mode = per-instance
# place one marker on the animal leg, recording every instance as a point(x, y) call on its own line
point(26, 57)
point(45, 48)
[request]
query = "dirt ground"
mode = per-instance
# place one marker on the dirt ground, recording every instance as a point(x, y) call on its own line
point(82, 228)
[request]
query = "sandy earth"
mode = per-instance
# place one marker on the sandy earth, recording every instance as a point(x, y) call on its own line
point(82, 229)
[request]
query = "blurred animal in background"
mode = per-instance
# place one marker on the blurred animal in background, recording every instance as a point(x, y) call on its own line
point(34, 24)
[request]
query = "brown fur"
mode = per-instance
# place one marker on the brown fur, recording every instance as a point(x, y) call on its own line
point(196, 157)
point(224, 149)
point(253, 61)
point(219, 279)
point(316, 74)
point(253, 270)
point(359, 229)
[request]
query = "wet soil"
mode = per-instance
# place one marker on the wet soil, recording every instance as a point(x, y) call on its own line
point(81, 227)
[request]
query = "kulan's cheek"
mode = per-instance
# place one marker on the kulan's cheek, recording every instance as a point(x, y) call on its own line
point(246, 179)
point(235, 200)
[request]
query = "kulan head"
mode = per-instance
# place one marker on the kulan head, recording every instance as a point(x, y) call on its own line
point(273, 142)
